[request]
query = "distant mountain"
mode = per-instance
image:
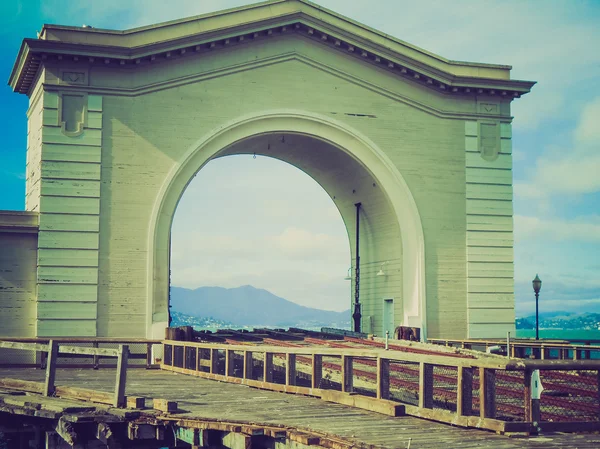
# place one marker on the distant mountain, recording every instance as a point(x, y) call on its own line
point(248, 305)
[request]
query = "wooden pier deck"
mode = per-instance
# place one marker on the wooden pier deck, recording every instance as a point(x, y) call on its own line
point(208, 399)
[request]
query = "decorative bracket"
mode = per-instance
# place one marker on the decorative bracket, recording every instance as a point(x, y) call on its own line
point(72, 112)
point(489, 140)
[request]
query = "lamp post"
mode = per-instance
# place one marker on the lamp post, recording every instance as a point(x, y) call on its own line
point(357, 315)
point(537, 285)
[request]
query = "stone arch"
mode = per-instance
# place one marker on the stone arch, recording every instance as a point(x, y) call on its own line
point(324, 129)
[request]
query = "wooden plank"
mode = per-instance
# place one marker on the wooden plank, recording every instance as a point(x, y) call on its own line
point(22, 385)
point(68, 240)
point(383, 378)
point(214, 360)
point(123, 354)
point(464, 392)
point(489, 207)
point(316, 370)
point(70, 170)
point(106, 352)
point(490, 269)
point(228, 363)
point(84, 394)
point(485, 238)
point(487, 254)
point(71, 153)
point(51, 368)
point(68, 275)
point(425, 385)
point(62, 292)
point(70, 205)
point(489, 176)
point(248, 364)
point(489, 192)
point(474, 160)
point(347, 374)
point(68, 257)
point(23, 346)
point(70, 188)
point(487, 393)
point(71, 309)
point(268, 367)
point(383, 406)
point(290, 369)
point(89, 137)
point(489, 223)
point(59, 328)
point(490, 285)
point(164, 405)
point(69, 222)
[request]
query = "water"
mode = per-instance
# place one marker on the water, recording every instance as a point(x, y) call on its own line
point(561, 334)
point(575, 336)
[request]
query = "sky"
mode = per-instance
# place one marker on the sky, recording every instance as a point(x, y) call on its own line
point(303, 256)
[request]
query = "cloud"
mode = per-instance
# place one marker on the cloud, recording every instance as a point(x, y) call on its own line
point(588, 130)
point(573, 170)
point(583, 228)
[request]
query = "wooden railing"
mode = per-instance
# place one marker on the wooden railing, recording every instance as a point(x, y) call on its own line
point(52, 350)
point(490, 392)
point(83, 359)
point(520, 348)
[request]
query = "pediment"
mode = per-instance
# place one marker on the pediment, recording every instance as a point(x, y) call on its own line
point(267, 20)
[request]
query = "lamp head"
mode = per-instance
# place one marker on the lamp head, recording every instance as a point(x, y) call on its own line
point(537, 284)
point(348, 275)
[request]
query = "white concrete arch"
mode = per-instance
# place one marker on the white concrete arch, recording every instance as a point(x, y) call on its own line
point(337, 134)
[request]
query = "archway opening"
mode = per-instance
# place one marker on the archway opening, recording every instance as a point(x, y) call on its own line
point(255, 242)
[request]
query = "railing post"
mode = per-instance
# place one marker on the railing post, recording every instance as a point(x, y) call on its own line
point(149, 355)
point(347, 373)
point(122, 358)
point(184, 358)
point(96, 359)
point(229, 363)
point(290, 369)
point(197, 359)
point(464, 392)
point(383, 378)
point(248, 365)
point(317, 370)
point(598, 392)
point(268, 367)
point(487, 393)
point(527, 395)
point(214, 361)
point(51, 368)
point(425, 385)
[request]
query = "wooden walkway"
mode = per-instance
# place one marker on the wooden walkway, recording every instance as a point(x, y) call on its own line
point(201, 398)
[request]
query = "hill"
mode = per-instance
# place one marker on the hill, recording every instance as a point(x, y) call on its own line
point(561, 320)
point(250, 306)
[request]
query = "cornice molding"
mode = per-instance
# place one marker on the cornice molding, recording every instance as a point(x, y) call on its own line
point(34, 52)
point(272, 60)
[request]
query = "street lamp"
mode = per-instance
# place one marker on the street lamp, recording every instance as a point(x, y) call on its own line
point(537, 285)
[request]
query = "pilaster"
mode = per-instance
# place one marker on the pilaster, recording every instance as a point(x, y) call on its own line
point(67, 271)
point(490, 268)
